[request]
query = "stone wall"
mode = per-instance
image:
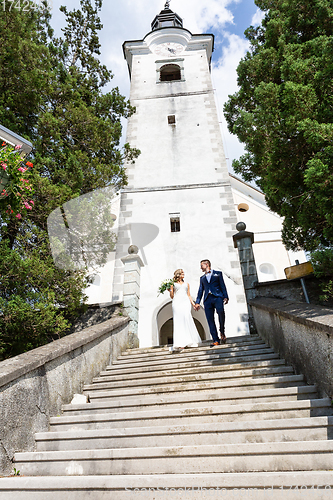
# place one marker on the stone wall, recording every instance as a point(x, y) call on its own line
point(35, 385)
point(302, 334)
point(94, 315)
point(292, 290)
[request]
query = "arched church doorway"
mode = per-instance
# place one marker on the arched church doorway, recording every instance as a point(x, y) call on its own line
point(165, 324)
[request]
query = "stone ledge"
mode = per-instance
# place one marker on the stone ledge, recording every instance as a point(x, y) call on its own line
point(18, 366)
point(306, 314)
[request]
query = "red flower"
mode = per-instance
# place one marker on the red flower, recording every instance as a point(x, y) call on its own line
point(29, 164)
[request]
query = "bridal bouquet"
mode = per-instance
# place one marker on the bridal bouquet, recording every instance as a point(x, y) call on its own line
point(165, 285)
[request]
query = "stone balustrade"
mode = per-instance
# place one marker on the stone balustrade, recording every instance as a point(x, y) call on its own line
point(302, 334)
point(35, 385)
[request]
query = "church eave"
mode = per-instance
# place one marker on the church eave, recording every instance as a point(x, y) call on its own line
point(168, 28)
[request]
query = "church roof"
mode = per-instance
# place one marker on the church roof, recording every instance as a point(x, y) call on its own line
point(167, 19)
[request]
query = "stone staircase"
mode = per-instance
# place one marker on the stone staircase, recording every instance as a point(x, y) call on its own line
point(228, 422)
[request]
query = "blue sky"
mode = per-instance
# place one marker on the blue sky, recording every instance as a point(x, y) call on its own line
point(130, 20)
point(243, 12)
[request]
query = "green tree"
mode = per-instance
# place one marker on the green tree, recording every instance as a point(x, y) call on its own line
point(283, 113)
point(25, 67)
point(75, 128)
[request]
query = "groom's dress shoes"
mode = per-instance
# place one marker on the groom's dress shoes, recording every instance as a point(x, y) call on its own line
point(214, 344)
point(223, 339)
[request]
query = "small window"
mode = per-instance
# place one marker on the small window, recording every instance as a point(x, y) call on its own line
point(169, 73)
point(175, 223)
point(171, 120)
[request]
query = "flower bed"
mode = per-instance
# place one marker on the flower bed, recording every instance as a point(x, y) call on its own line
point(15, 186)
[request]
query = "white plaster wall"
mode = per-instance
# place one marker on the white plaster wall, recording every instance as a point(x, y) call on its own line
point(100, 292)
point(179, 154)
point(181, 169)
point(202, 235)
point(266, 226)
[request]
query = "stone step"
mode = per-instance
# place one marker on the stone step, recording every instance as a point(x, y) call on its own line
point(262, 431)
point(246, 383)
point(193, 399)
point(186, 416)
point(106, 376)
point(217, 458)
point(194, 355)
point(176, 364)
point(200, 350)
point(289, 485)
point(158, 382)
point(180, 358)
point(155, 349)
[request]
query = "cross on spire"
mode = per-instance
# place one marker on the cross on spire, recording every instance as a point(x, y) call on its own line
point(167, 4)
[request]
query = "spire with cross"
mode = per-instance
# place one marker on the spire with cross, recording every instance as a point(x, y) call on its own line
point(167, 19)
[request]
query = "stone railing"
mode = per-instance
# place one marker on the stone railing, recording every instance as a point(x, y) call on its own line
point(302, 334)
point(35, 385)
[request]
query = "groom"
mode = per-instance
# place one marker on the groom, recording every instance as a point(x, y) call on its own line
point(212, 283)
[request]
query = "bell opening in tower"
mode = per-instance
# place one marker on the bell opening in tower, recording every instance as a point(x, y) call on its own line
point(169, 73)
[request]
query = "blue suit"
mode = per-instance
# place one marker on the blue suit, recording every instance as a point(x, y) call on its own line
point(214, 294)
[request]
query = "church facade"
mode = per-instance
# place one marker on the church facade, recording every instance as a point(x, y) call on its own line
point(180, 205)
point(179, 188)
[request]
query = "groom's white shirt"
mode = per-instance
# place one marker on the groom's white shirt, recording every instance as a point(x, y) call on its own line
point(209, 275)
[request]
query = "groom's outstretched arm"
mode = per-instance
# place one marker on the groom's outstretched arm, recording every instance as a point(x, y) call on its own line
point(200, 292)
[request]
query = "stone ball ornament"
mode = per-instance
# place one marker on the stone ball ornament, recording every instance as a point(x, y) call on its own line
point(241, 226)
point(133, 249)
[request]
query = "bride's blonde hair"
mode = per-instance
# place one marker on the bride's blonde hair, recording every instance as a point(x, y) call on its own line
point(176, 274)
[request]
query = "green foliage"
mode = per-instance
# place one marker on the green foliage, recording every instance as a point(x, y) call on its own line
point(36, 297)
point(51, 92)
point(25, 67)
point(322, 261)
point(283, 112)
point(15, 189)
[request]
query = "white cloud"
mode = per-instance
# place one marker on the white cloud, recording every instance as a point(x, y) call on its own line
point(258, 17)
point(199, 15)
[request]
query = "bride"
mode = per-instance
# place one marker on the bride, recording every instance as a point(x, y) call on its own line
point(185, 333)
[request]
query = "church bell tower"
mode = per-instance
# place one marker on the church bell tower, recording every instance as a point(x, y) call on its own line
point(180, 184)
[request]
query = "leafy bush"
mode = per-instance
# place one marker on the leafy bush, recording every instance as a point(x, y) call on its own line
point(322, 261)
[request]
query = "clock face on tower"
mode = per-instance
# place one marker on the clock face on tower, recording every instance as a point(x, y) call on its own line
point(168, 49)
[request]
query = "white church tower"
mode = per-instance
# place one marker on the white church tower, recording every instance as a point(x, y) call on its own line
point(178, 206)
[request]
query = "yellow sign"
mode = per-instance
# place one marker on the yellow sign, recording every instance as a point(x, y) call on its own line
point(298, 271)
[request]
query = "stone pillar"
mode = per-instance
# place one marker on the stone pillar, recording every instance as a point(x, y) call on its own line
point(243, 240)
point(132, 271)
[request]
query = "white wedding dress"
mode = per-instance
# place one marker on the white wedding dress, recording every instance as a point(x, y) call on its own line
point(185, 333)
